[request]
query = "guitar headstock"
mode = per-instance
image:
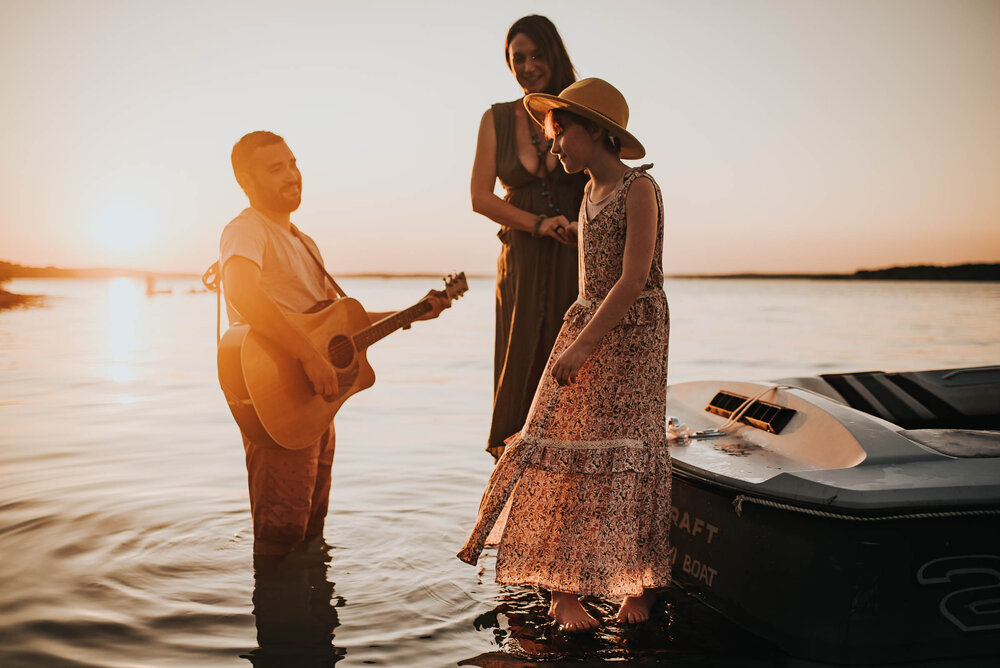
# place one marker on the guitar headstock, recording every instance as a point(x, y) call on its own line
point(455, 285)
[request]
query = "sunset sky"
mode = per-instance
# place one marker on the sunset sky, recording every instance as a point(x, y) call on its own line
point(787, 135)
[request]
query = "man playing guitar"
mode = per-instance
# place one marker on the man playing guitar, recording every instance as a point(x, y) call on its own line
point(269, 269)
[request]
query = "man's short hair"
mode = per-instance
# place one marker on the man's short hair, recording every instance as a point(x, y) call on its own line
point(248, 143)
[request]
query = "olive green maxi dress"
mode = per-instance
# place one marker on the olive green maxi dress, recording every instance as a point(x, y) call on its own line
point(536, 279)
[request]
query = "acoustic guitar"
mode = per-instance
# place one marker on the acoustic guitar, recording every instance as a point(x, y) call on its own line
point(267, 389)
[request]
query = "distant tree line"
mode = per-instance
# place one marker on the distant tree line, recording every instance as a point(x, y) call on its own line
point(928, 272)
point(9, 270)
point(917, 272)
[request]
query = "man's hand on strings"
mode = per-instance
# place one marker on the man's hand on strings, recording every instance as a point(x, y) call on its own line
point(321, 375)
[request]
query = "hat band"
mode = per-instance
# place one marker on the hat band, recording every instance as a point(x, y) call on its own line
point(595, 111)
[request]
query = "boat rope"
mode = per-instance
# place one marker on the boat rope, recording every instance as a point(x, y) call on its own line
point(735, 416)
point(742, 498)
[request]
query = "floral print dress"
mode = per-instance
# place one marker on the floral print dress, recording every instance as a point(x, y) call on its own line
point(580, 499)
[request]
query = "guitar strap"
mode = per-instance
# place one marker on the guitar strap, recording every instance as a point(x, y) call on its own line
point(298, 235)
point(212, 276)
point(210, 279)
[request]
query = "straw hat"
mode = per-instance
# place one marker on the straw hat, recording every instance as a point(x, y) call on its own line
point(595, 99)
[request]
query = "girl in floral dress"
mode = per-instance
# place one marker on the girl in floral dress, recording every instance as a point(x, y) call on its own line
point(580, 498)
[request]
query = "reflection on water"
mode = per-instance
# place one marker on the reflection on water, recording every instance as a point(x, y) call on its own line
point(295, 609)
point(122, 315)
point(680, 632)
point(124, 517)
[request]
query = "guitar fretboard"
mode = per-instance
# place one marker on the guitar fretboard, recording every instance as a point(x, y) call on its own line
point(389, 324)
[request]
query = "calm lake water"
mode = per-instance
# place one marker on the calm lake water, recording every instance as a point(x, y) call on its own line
point(125, 533)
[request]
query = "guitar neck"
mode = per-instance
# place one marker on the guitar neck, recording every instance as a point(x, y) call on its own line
point(389, 324)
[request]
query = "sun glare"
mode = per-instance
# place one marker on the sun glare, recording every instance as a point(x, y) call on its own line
point(123, 312)
point(123, 228)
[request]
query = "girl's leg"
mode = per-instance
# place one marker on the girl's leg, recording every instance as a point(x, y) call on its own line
point(569, 613)
point(635, 609)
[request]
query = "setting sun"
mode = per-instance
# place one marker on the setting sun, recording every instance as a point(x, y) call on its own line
point(842, 133)
point(122, 228)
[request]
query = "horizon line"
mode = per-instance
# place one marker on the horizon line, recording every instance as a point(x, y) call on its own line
point(98, 272)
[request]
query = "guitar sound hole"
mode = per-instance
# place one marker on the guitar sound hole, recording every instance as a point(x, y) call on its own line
point(341, 352)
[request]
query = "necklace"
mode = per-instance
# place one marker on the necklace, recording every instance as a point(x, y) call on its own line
point(536, 142)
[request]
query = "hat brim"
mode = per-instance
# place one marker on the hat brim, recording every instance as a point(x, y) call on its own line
point(539, 104)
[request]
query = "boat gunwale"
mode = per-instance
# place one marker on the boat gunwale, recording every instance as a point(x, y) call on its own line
point(711, 482)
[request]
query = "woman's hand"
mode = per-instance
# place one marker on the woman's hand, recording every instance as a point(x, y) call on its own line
point(566, 367)
point(556, 227)
point(572, 232)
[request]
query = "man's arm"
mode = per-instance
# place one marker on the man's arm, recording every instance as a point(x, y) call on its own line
point(241, 280)
point(437, 299)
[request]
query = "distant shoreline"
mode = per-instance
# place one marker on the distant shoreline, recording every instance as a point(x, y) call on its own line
point(922, 272)
point(10, 270)
point(918, 272)
point(13, 300)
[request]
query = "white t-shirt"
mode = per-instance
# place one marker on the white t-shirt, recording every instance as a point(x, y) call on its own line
point(287, 273)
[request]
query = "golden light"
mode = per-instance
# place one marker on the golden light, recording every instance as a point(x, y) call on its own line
point(122, 316)
point(122, 228)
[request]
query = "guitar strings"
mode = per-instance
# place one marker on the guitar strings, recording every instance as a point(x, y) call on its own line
point(378, 330)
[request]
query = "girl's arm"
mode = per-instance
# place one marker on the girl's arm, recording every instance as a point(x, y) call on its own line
point(640, 241)
point(484, 177)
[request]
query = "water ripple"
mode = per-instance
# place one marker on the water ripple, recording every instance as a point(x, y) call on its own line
point(124, 515)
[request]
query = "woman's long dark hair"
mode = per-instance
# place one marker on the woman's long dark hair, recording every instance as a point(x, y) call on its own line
point(543, 33)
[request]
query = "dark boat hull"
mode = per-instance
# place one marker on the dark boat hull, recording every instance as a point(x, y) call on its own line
point(840, 590)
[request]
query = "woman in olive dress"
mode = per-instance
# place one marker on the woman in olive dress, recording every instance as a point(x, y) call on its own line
point(537, 267)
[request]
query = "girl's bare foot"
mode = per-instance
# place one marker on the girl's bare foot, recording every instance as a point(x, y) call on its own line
point(569, 613)
point(635, 609)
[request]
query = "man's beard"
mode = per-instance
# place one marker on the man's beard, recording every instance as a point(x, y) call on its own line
point(276, 201)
